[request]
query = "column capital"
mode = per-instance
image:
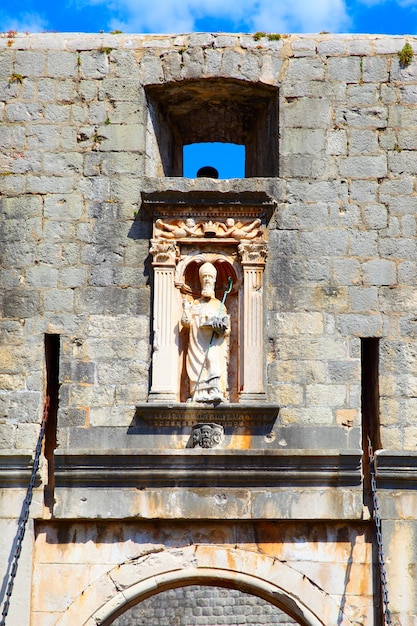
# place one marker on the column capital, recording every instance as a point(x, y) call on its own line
point(253, 253)
point(164, 252)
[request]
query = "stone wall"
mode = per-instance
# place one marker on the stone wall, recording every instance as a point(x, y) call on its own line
point(76, 143)
point(91, 127)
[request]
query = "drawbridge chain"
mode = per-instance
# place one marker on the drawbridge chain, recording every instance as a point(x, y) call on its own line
point(21, 528)
point(377, 520)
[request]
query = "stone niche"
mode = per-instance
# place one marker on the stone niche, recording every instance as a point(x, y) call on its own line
point(229, 232)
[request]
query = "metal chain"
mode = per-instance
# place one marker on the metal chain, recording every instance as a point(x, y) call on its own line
point(21, 528)
point(377, 519)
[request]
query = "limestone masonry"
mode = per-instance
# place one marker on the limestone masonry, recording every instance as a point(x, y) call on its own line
point(102, 239)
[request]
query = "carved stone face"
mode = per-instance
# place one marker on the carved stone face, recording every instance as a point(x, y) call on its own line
point(196, 437)
point(206, 437)
point(208, 283)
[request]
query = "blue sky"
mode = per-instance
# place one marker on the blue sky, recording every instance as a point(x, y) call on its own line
point(398, 17)
point(283, 16)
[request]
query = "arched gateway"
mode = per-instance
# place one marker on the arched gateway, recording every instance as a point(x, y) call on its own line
point(125, 585)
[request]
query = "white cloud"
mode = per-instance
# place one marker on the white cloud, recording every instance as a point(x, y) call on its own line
point(177, 16)
point(23, 23)
point(300, 16)
point(181, 16)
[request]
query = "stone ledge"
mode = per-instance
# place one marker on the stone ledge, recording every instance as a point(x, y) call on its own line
point(396, 468)
point(244, 192)
point(15, 469)
point(208, 468)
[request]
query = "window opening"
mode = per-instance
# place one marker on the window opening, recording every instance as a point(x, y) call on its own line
point(370, 406)
point(52, 346)
point(212, 110)
point(370, 391)
point(227, 158)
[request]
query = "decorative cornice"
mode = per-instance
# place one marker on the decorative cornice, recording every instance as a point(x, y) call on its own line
point(198, 467)
point(206, 205)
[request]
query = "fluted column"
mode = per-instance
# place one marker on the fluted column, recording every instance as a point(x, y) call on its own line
point(164, 386)
point(252, 256)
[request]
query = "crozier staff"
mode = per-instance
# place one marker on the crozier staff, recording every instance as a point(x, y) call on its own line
point(208, 347)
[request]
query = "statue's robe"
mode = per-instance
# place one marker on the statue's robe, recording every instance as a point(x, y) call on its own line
point(212, 385)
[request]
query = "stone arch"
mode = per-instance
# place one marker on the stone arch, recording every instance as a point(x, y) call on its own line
point(226, 265)
point(131, 582)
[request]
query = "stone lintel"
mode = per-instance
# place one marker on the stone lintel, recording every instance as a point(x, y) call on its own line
point(188, 414)
point(205, 468)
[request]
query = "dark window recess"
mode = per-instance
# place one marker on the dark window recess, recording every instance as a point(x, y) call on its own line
point(370, 392)
point(52, 346)
point(210, 111)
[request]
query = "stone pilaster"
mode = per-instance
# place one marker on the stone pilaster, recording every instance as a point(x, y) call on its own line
point(252, 256)
point(165, 352)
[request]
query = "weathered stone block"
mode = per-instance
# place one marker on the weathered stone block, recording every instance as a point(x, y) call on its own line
point(62, 64)
point(316, 115)
point(30, 63)
point(21, 303)
point(376, 216)
point(360, 325)
point(379, 272)
point(363, 298)
point(93, 64)
point(326, 395)
point(364, 166)
point(402, 162)
point(363, 244)
point(346, 271)
point(344, 69)
point(336, 142)
point(373, 117)
point(400, 248)
point(299, 68)
point(375, 69)
point(301, 141)
point(407, 272)
point(58, 300)
point(287, 271)
point(73, 417)
point(325, 243)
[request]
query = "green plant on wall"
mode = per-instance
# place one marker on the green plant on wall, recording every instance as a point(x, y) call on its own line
point(16, 78)
point(406, 55)
point(270, 36)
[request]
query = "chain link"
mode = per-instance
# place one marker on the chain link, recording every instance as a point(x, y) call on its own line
point(377, 520)
point(21, 528)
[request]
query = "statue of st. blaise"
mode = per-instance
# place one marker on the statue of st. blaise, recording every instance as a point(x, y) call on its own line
point(208, 346)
